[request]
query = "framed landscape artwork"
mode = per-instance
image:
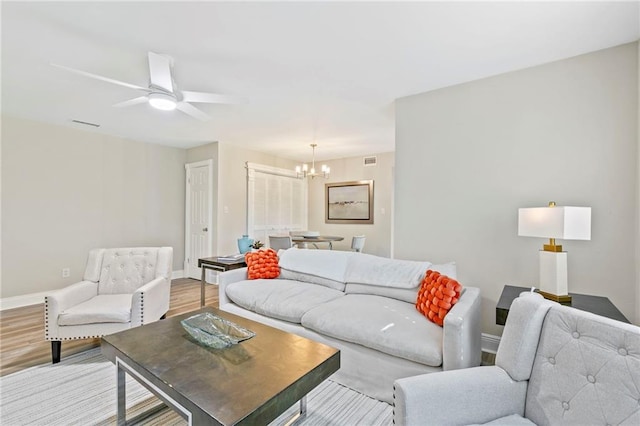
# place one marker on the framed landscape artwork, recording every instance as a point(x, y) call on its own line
point(349, 202)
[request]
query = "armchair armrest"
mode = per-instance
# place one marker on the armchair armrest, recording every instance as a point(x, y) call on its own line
point(462, 345)
point(226, 278)
point(59, 300)
point(150, 302)
point(458, 397)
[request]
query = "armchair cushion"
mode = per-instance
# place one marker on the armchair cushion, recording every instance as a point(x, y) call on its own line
point(101, 308)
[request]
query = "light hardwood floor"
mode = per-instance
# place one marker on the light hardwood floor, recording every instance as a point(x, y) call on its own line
point(22, 341)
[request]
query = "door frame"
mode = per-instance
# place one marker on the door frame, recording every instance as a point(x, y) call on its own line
point(187, 222)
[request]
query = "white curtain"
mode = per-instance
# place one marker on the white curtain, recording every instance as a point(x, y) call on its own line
point(276, 202)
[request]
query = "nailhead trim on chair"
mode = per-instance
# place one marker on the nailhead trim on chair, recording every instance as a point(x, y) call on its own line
point(142, 308)
point(394, 404)
point(46, 318)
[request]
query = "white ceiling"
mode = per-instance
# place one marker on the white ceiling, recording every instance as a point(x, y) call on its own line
point(323, 72)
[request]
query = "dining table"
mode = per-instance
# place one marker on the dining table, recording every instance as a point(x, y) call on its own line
point(302, 241)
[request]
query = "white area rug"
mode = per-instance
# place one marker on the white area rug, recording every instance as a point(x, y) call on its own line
point(81, 390)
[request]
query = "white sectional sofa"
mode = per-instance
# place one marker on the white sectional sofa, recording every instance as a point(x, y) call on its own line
point(363, 305)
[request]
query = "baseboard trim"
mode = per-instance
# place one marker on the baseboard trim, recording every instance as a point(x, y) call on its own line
point(22, 300)
point(490, 343)
point(37, 298)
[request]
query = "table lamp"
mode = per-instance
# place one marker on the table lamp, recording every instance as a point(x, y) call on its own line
point(567, 223)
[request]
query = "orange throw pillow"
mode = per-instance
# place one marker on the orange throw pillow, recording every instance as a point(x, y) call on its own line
point(437, 294)
point(262, 264)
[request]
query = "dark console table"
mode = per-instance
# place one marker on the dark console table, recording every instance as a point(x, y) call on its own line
point(216, 264)
point(595, 304)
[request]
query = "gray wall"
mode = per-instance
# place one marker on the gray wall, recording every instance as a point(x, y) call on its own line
point(66, 191)
point(468, 156)
point(378, 234)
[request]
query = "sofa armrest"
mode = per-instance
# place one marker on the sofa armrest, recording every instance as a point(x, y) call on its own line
point(226, 278)
point(150, 302)
point(457, 397)
point(462, 339)
point(59, 300)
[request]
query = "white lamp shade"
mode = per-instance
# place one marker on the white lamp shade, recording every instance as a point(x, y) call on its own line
point(566, 223)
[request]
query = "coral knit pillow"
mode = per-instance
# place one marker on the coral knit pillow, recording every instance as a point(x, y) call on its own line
point(437, 294)
point(262, 264)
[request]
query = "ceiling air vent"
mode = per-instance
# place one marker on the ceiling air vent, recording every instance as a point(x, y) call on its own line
point(370, 161)
point(85, 123)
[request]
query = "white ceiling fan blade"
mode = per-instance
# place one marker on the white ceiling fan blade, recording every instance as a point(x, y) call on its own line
point(211, 98)
point(193, 111)
point(130, 102)
point(160, 71)
point(99, 77)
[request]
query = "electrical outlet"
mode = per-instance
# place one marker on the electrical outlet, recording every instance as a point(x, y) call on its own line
point(66, 272)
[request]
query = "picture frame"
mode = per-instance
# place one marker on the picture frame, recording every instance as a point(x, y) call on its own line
point(349, 202)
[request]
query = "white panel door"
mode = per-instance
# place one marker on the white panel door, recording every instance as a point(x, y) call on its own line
point(198, 230)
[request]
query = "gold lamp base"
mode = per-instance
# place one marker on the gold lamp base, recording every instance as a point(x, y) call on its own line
point(562, 299)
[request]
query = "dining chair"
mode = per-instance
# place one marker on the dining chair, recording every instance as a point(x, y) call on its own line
point(280, 242)
point(357, 243)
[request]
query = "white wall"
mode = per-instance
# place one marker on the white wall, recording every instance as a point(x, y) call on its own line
point(638, 202)
point(468, 156)
point(66, 191)
point(378, 234)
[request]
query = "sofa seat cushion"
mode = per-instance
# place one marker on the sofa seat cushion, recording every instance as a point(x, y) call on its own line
point(286, 300)
point(387, 325)
point(99, 309)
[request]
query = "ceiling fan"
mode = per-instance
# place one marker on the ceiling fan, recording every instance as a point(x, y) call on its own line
point(162, 92)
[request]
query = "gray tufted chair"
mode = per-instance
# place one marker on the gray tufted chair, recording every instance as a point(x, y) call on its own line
point(121, 288)
point(555, 365)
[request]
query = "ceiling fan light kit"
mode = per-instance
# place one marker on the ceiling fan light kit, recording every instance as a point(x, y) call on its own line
point(162, 101)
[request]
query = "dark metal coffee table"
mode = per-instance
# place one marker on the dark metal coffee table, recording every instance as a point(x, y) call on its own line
point(249, 383)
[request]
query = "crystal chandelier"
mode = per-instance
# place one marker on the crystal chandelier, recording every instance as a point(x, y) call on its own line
point(303, 171)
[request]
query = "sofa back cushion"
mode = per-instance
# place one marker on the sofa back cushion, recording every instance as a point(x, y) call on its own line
point(408, 295)
point(308, 278)
point(586, 371)
point(404, 294)
point(126, 269)
point(382, 271)
point(328, 264)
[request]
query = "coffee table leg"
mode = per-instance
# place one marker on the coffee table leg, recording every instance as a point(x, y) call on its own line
point(122, 396)
point(299, 416)
point(202, 286)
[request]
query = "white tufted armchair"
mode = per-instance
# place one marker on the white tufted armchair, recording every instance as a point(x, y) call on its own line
point(121, 288)
point(555, 365)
